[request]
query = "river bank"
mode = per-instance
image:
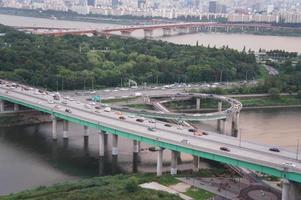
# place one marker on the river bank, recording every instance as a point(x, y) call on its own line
point(125, 187)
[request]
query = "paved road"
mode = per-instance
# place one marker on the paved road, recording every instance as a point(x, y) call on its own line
point(246, 151)
point(272, 71)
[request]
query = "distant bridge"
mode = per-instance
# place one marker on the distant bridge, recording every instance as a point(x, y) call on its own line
point(167, 29)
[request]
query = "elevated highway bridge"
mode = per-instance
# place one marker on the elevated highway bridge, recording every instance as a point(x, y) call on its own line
point(283, 164)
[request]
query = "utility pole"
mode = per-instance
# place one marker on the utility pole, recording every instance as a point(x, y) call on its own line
point(92, 80)
point(57, 84)
point(221, 76)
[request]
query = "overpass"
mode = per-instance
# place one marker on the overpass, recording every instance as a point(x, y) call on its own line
point(283, 164)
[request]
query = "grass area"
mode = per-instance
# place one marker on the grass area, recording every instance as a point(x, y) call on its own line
point(123, 187)
point(141, 106)
point(269, 101)
point(198, 194)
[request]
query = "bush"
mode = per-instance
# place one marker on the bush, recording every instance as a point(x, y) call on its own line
point(274, 93)
point(131, 185)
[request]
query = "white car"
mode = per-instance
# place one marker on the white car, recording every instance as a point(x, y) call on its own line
point(50, 102)
point(289, 164)
point(107, 109)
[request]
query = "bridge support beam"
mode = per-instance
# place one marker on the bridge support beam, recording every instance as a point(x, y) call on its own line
point(195, 163)
point(54, 128)
point(136, 146)
point(174, 162)
point(86, 131)
point(115, 145)
point(166, 32)
point(290, 190)
point(198, 103)
point(65, 129)
point(148, 33)
point(235, 124)
point(16, 107)
point(224, 126)
point(126, 33)
point(285, 189)
point(219, 121)
point(159, 162)
point(101, 143)
point(1, 106)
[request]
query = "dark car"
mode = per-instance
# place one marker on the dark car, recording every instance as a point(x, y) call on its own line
point(274, 149)
point(224, 149)
point(167, 125)
point(68, 110)
point(97, 107)
point(122, 118)
point(192, 130)
point(139, 120)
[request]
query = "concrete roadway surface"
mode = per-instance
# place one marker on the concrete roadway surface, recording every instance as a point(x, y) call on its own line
point(180, 136)
point(272, 71)
point(111, 93)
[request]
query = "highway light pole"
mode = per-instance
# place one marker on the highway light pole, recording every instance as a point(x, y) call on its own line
point(297, 153)
point(240, 133)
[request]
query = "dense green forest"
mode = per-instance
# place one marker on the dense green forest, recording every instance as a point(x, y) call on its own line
point(72, 60)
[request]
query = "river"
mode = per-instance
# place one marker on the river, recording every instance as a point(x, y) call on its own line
point(29, 158)
point(236, 41)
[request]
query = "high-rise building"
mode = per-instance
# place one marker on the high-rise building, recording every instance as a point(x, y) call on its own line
point(212, 7)
point(92, 3)
point(115, 3)
point(141, 3)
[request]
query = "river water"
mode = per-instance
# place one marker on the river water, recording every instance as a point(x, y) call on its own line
point(29, 158)
point(236, 41)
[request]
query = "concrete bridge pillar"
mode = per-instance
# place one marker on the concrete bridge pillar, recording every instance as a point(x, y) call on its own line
point(235, 124)
point(136, 146)
point(290, 190)
point(159, 162)
point(174, 163)
point(115, 145)
point(224, 126)
point(1, 106)
point(166, 32)
point(86, 131)
point(54, 128)
point(16, 107)
point(285, 189)
point(101, 143)
point(219, 121)
point(126, 33)
point(65, 129)
point(198, 103)
point(148, 33)
point(195, 163)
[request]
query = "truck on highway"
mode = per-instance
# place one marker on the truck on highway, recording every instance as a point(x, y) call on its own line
point(138, 94)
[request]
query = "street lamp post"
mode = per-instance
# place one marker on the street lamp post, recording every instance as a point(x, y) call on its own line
point(297, 153)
